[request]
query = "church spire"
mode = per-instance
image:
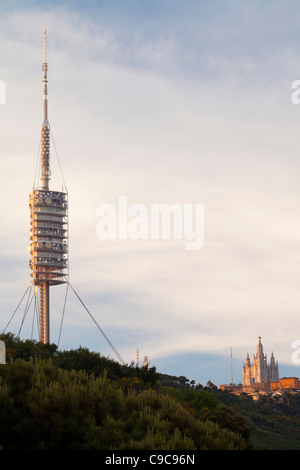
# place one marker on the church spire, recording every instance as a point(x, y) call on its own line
point(260, 351)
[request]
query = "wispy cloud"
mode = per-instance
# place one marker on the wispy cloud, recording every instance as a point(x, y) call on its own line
point(188, 105)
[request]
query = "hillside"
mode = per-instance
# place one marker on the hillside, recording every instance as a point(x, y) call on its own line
point(274, 421)
point(78, 399)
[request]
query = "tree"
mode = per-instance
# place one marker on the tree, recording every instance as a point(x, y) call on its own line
point(45, 407)
point(147, 375)
point(25, 349)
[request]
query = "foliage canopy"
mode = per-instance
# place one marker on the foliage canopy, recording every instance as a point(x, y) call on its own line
point(77, 400)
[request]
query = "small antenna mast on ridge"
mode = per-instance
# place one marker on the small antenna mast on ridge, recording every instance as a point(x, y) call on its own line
point(231, 365)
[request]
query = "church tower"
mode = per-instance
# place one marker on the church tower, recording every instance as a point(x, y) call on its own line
point(260, 371)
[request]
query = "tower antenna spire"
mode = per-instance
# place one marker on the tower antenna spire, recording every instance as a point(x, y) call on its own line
point(45, 79)
point(45, 135)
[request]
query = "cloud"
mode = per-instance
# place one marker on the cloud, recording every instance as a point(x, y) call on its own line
point(165, 108)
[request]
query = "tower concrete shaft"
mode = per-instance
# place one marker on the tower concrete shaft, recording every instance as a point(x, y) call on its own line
point(49, 226)
point(44, 313)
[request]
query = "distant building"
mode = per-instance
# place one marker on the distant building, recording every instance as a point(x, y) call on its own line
point(286, 382)
point(232, 388)
point(260, 371)
point(261, 378)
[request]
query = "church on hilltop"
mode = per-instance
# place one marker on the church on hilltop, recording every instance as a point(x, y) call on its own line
point(261, 377)
point(260, 371)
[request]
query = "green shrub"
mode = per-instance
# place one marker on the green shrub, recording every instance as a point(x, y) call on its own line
point(45, 407)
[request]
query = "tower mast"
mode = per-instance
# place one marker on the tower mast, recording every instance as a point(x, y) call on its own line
point(45, 137)
point(231, 365)
point(49, 225)
point(45, 170)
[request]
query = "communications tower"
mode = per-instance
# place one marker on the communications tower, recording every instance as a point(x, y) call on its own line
point(49, 226)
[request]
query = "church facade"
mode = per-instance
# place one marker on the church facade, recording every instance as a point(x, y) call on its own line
point(260, 371)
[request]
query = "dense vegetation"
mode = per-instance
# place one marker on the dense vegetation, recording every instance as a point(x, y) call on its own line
point(78, 399)
point(274, 421)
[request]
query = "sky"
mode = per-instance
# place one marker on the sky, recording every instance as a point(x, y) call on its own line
point(163, 102)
